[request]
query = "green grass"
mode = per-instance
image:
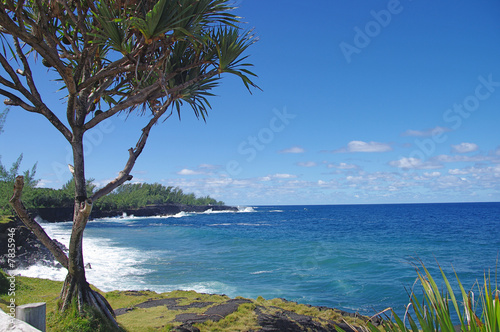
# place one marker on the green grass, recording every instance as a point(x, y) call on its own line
point(433, 312)
point(72, 320)
point(29, 290)
point(243, 319)
point(4, 219)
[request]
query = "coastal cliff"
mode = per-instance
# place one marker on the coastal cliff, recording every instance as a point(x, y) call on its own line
point(66, 214)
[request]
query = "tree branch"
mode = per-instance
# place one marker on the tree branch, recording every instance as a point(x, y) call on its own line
point(16, 101)
point(22, 213)
point(113, 69)
point(124, 175)
point(35, 99)
point(138, 98)
point(15, 79)
point(38, 44)
point(27, 71)
point(7, 83)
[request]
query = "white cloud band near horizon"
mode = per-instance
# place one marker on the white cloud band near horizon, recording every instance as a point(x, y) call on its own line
point(360, 146)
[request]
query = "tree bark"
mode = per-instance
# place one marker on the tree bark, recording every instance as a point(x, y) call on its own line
point(75, 285)
point(22, 213)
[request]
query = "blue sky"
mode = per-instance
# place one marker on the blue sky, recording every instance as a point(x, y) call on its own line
point(361, 102)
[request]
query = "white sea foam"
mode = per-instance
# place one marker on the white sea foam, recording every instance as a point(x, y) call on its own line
point(42, 272)
point(181, 214)
point(207, 287)
point(246, 209)
point(262, 272)
point(112, 267)
point(211, 211)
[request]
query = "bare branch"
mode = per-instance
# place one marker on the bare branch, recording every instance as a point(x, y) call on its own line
point(16, 101)
point(138, 98)
point(113, 69)
point(38, 44)
point(21, 211)
point(7, 83)
point(27, 71)
point(15, 79)
point(124, 175)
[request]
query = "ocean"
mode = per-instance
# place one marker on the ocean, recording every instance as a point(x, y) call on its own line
point(351, 257)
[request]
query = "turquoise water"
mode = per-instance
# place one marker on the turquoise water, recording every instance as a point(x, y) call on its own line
point(352, 257)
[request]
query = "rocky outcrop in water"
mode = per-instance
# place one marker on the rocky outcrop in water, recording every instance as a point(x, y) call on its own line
point(28, 249)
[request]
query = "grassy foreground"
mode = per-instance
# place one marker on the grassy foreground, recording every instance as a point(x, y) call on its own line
point(138, 310)
point(437, 309)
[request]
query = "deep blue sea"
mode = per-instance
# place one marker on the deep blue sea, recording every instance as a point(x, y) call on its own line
point(351, 257)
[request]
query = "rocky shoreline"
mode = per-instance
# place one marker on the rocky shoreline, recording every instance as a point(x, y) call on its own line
point(29, 250)
point(66, 214)
point(274, 315)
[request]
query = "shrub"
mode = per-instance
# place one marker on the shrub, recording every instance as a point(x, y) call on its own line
point(436, 311)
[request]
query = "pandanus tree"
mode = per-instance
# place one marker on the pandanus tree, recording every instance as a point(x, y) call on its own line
point(147, 56)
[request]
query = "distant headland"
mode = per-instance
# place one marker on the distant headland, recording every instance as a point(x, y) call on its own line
point(66, 213)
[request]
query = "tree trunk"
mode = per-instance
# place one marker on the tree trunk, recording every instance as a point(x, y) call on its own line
point(76, 288)
point(75, 285)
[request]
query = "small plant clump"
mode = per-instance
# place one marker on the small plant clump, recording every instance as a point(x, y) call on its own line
point(90, 320)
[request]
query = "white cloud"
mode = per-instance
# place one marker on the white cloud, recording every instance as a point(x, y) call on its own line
point(293, 149)
point(464, 147)
point(209, 166)
point(351, 178)
point(360, 146)
point(307, 164)
point(457, 171)
point(432, 174)
point(457, 158)
point(44, 183)
point(284, 176)
point(414, 163)
point(426, 133)
point(343, 166)
point(186, 171)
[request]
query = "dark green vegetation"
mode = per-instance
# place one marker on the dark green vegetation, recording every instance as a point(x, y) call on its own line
point(140, 195)
point(7, 177)
point(125, 197)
